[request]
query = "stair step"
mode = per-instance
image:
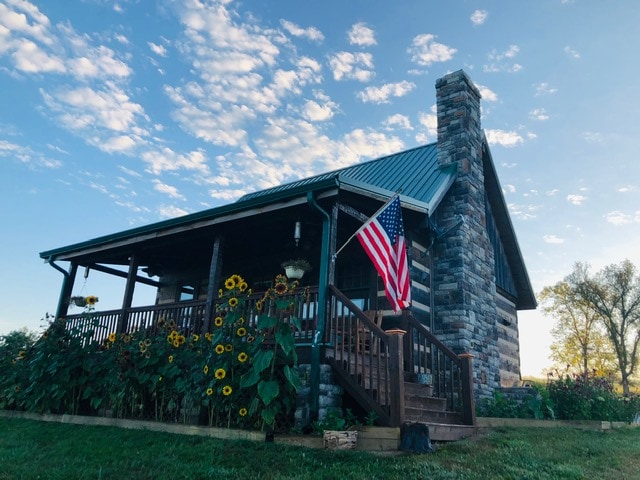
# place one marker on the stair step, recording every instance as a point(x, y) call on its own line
point(432, 416)
point(430, 403)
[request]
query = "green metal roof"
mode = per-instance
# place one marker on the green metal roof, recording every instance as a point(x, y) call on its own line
point(414, 173)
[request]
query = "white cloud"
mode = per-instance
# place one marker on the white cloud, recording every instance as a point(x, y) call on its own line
point(539, 114)
point(553, 239)
point(571, 52)
point(503, 61)
point(166, 160)
point(487, 94)
point(424, 50)
point(157, 49)
point(169, 190)
point(503, 138)
point(523, 212)
point(593, 137)
point(397, 121)
point(27, 155)
point(626, 189)
point(314, 112)
point(383, 93)
point(361, 35)
point(576, 199)
point(479, 17)
point(352, 66)
point(170, 211)
point(508, 188)
point(544, 89)
point(618, 218)
point(311, 33)
point(429, 121)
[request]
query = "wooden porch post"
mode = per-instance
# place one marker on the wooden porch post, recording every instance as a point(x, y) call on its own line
point(128, 294)
point(468, 402)
point(396, 369)
point(333, 244)
point(215, 270)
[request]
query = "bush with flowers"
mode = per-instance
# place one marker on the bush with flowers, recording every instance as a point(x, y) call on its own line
point(242, 373)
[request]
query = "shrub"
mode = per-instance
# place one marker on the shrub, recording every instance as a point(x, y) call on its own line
point(581, 397)
point(534, 405)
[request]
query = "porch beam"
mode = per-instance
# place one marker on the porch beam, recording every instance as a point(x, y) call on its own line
point(215, 270)
point(120, 273)
point(353, 212)
point(66, 288)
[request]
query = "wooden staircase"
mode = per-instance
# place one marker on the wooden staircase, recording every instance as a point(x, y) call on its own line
point(373, 366)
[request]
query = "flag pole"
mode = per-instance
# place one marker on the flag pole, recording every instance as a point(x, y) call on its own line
point(397, 194)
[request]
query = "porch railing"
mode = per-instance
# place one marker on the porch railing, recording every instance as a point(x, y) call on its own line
point(189, 316)
point(451, 374)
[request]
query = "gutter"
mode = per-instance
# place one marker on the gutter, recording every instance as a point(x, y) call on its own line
point(65, 281)
point(322, 295)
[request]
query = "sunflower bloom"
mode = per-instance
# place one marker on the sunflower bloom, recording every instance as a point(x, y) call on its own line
point(220, 373)
point(242, 412)
point(208, 336)
point(126, 338)
point(229, 283)
point(147, 342)
point(206, 369)
point(209, 392)
point(250, 338)
point(242, 357)
point(219, 349)
point(91, 300)
point(233, 301)
point(181, 339)
point(228, 347)
point(281, 288)
point(243, 286)
point(241, 321)
point(21, 354)
point(112, 337)
point(218, 321)
point(176, 343)
point(195, 337)
point(170, 358)
point(227, 390)
point(241, 332)
point(237, 279)
point(259, 305)
point(220, 293)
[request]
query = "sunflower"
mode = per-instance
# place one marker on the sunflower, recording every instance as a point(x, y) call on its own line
point(126, 338)
point(170, 358)
point(242, 286)
point(233, 301)
point(209, 391)
point(218, 321)
point(21, 354)
point(147, 342)
point(250, 339)
point(220, 373)
point(281, 288)
point(147, 355)
point(281, 279)
point(220, 293)
point(241, 332)
point(176, 343)
point(143, 348)
point(227, 390)
point(242, 412)
point(195, 337)
point(228, 347)
point(208, 336)
point(237, 278)
point(112, 337)
point(229, 283)
point(241, 321)
point(181, 339)
point(91, 300)
point(242, 357)
point(206, 369)
point(259, 305)
point(219, 349)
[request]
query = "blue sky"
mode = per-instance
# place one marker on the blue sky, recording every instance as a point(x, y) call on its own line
point(118, 114)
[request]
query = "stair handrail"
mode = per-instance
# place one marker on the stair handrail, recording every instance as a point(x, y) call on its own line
point(463, 361)
point(385, 389)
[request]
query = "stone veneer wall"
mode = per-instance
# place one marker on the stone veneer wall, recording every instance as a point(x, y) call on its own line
point(465, 316)
point(330, 395)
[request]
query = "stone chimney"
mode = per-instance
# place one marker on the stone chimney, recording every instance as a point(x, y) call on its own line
point(463, 262)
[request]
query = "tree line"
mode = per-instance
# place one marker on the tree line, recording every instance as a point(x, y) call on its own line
point(597, 315)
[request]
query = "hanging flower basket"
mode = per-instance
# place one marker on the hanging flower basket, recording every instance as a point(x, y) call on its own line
point(82, 302)
point(295, 268)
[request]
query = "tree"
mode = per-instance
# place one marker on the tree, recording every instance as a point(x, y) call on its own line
point(580, 341)
point(614, 295)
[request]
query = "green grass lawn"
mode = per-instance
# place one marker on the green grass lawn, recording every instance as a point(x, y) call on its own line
point(31, 449)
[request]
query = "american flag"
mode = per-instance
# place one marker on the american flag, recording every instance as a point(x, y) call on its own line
point(382, 237)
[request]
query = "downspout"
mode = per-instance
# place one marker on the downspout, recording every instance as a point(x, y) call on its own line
point(65, 281)
point(322, 299)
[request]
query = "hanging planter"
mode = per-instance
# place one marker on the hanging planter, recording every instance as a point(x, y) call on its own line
point(82, 302)
point(295, 268)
